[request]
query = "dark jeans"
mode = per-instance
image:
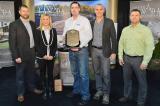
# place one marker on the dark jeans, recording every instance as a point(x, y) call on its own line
point(46, 68)
point(101, 66)
point(25, 77)
point(132, 64)
point(79, 68)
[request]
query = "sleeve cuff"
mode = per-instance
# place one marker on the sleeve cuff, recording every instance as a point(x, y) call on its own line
point(144, 62)
point(120, 57)
point(81, 46)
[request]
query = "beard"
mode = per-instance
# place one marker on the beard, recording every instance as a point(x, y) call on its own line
point(25, 17)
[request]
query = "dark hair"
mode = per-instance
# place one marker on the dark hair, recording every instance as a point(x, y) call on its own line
point(23, 5)
point(135, 10)
point(75, 2)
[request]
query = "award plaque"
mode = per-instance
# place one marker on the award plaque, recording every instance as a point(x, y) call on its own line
point(72, 38)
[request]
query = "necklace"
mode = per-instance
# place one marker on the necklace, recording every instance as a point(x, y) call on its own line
point(49, 44)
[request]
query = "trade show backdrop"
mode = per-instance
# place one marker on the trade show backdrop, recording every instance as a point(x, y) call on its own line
point(6, 16)
point(60, 11)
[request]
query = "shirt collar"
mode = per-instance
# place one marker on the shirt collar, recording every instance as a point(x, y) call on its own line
point(100, 21)
point(44, 29)
point(24, 20)
point(76, 19)
point(135, 26)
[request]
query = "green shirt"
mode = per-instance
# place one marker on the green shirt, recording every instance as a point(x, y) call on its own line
point(136, 41)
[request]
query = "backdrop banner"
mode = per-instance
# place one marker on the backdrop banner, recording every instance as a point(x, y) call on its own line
point(6, 16)
point(150, 15)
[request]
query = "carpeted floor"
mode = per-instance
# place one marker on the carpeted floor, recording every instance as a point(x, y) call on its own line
point(8, 92)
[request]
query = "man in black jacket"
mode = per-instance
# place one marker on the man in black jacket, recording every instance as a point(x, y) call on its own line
point(22, 46)
point(104, 48)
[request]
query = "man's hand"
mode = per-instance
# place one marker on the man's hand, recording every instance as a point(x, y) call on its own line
point(18, 60)
point(75, 49)
point(143, 67)
point(113, 56)
point(121, 62)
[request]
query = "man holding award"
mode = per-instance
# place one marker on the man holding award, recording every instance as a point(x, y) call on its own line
point(78, 33)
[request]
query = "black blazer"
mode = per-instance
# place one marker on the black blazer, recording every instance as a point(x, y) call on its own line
point(109, 41)
point(40, 46)
point(19, 40)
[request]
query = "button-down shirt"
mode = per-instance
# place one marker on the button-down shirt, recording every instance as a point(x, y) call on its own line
point(136, 41)
point(81, 24)
point(29, 30)
point(97, 32)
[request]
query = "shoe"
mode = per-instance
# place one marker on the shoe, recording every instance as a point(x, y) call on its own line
point(50, 94)
point(105, 99)
point(98, 95)
point(37, 91)
point(72, 95)
point(140, 104)
point(44, 95)
point(83, 102)
point(124, 99)
point(20, 98)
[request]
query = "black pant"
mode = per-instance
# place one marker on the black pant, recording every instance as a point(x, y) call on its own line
point(46, 73)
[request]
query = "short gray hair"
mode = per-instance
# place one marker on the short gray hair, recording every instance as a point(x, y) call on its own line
point(99, 4)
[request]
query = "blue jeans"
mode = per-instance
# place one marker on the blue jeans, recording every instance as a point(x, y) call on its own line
point(101, 66)
point(25, 77)
point(132, 64)
point(79, 68)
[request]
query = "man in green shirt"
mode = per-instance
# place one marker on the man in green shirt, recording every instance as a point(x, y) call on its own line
point(135, 51)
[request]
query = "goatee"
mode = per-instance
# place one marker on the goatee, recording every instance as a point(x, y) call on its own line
point(25, 17)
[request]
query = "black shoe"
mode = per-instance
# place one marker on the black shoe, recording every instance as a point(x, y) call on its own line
point(140, 104)
point(44, 95)
point(50, 94)
point(72, 95)
point(83, 102)
point(37, 91)
point(124, 99)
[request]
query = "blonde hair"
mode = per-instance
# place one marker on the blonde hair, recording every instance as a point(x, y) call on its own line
point(50, 19)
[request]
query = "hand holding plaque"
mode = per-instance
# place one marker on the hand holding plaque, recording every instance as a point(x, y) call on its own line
point(72, 39)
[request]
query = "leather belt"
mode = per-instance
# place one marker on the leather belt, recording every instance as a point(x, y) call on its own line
point(97, 47)
point(133, 56)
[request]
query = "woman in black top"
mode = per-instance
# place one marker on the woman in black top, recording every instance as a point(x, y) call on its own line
point(46, 50)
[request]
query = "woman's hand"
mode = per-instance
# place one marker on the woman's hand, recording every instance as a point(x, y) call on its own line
point(45, 57)
point(50, 57)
